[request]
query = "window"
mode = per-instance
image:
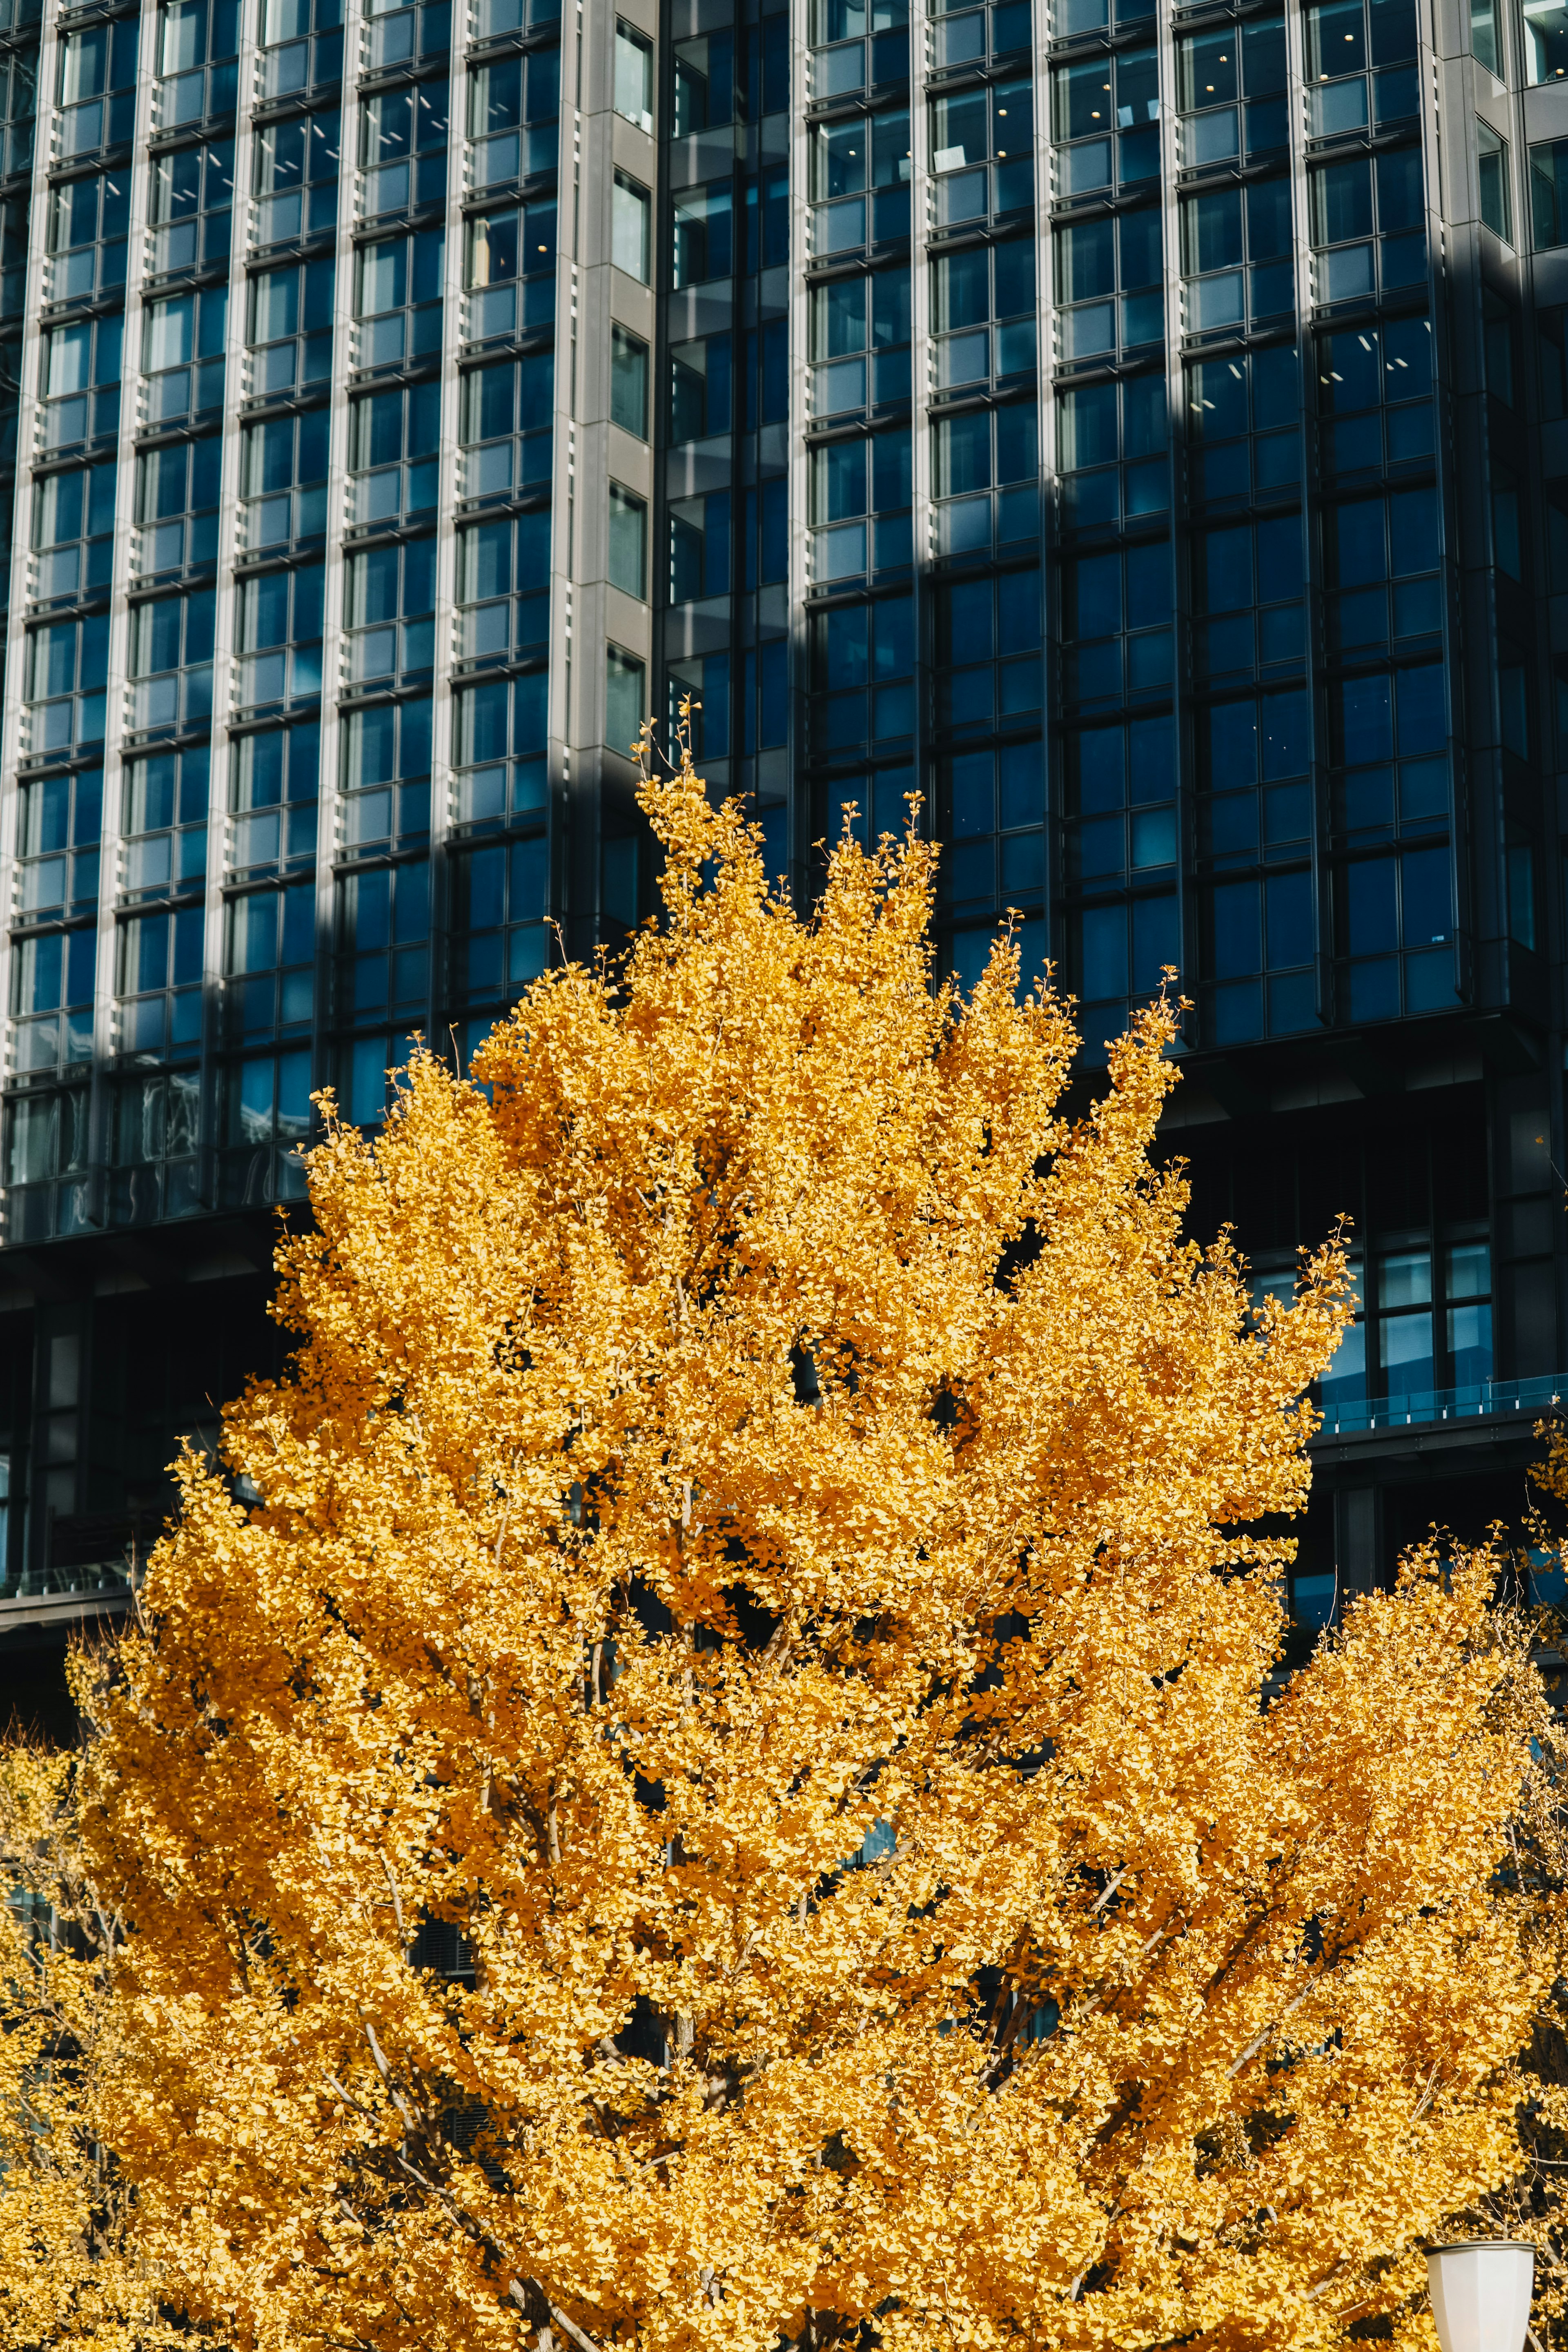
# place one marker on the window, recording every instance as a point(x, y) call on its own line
point(181, 353)
point(634, 77)
point(1116, 950)
point(395, 440)
point(1388, 735)
point(764, 533)
point(767, 67)
point(1520, 866)
point(965, 131)
point(1484, 46)
point(506, 411)
point(1383, 903)
point(861, 341)
point(88, 221)
point(1507, 550)
point(991, 807)
point(1545, 42)
point(403, 148)
point(704, 84)
point(1232, 85)
point(51, 999)
point(1338, 53)
point(701, 374)
point(56, 843)
point(1549, 193)
point(197, 45)
point(1254, 757)
point(703, 245)
point(1552, 352)
point(1499, 343)
point(1358, 209)
point(303, 42)
point(400, 34)
point(1238, 566)
point(98, 86)
point(513, 107)
point(158, 982)
point(270, 953)
point(855, 478)
point(14, 212)
point(297, 165)
point(177, 505)
point(698, 547)
point(1121, 797)
point(1369, 541)
point(988, 665)
point(629, 214)
point(862, 678)
point(503, 587)
point(73, 532)
point(629, 542)
point(1116, 623)
point(1374, 396)
point(1106, 122)
point(389, 610)
point(398, 296)
point(49, 1139)
point(515, 16)
point(499, 739)
point(840, 62)
point(1256, 395)
point(965, 38)
point(507, 251)
point(500, 898)
point(283, 480)
point(192, 193)
point(973, 452)
point(79, 379)
point(765, 371)
point(1491, 164)
point(1091, 259)
point(280, 635)
point(66, 667)
point(383, 930)
point(628, 382)
point(1235, 254)
point(165, 824)
point(1096, 426)
point(969, 290)
point(273, 789)
point(848, 158)
point(289, 350)
point(386, 774)
point(702, 689)
point(19, 111)
point(172, 660)
point(266, 1116)
point(625, 701)
point(765, 212)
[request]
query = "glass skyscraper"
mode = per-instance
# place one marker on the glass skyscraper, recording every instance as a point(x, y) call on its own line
point(1139, 430)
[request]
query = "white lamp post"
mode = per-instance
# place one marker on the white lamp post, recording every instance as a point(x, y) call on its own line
point(1481, 2294)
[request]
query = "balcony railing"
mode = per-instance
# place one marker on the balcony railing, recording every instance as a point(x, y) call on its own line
point(1423, 1407)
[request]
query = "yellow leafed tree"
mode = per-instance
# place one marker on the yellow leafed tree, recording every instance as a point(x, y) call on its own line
point(702, 1780)
point(70, 2272)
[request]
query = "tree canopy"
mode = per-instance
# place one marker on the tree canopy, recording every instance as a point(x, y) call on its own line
point(709, 1769)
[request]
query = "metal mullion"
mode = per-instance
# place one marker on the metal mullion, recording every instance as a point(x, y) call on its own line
point(225, 650)
point(16, 642)
point(443, 704)
point(802, 821)
point(118, 680)
point(334, 568)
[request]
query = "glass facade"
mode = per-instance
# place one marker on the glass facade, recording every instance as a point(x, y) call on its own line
point(1097, 424)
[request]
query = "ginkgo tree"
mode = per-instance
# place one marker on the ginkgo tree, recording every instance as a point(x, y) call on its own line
point(709, 1769)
